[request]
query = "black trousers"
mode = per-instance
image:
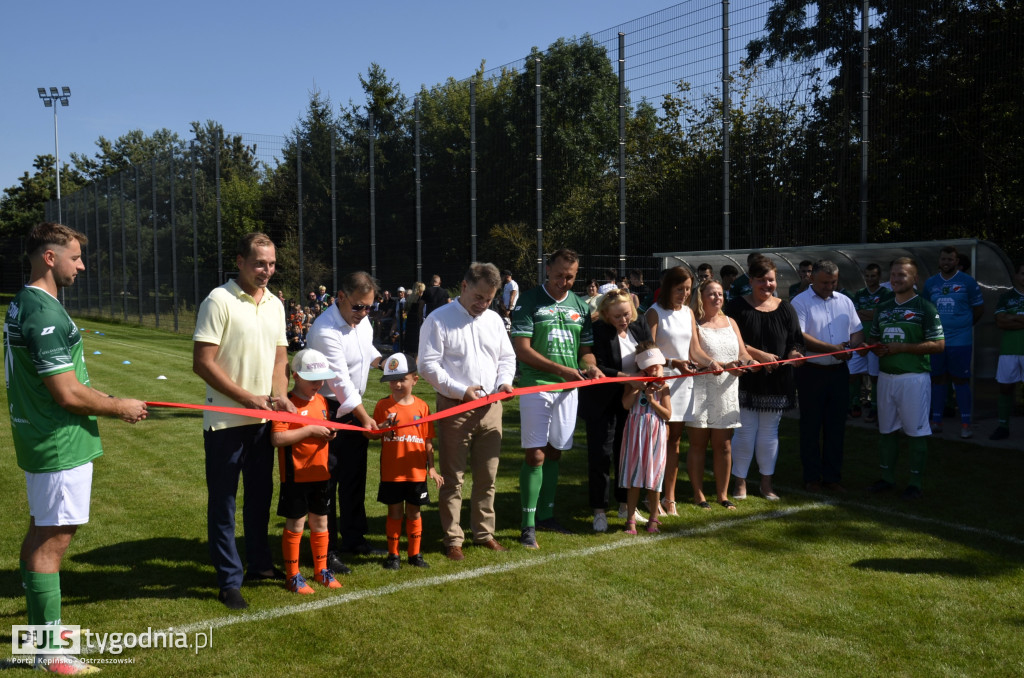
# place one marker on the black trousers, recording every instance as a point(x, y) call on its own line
point(346, 458)
point(604, 442)
point(824, 398)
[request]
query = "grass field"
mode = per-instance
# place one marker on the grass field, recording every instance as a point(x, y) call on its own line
point(814, 585)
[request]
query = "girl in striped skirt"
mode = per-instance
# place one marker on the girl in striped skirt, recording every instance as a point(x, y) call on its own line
point(642, 462)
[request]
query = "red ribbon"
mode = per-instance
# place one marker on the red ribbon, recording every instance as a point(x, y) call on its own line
point(293, 418)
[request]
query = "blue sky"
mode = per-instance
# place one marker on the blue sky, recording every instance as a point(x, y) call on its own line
point(248, 65)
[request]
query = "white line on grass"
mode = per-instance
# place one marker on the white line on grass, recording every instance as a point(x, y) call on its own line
point(957, 527)
point(321, 603)
point(145, 348)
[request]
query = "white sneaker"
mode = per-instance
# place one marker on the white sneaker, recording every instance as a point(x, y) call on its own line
point(966, 432)
point(600, 522)
point(640, 520)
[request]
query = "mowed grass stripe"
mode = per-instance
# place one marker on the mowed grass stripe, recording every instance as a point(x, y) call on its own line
point(334, 600)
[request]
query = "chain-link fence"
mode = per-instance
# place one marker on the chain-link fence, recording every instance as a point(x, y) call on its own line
point(617, 144)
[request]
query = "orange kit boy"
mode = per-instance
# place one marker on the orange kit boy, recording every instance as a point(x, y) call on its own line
point(302, 453)
point(406, 458)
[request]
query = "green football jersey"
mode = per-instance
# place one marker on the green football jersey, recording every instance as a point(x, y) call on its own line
point(866, 300)
point(557, 330)
point(1012, 341)
point(911, 322)
point(41, 340)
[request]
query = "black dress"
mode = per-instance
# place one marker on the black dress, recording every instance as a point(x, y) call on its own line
point(776, 332)
point(601, 408)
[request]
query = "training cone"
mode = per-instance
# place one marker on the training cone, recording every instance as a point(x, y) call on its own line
point(162, 377)
point(96, 353)
point(127, 362)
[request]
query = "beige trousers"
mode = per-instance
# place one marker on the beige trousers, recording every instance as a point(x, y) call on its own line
point(473, 437)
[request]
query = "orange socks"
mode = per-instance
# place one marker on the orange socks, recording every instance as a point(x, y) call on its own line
point(414, 530)
point(318, 543)
point(290, 542)
point(393, 529)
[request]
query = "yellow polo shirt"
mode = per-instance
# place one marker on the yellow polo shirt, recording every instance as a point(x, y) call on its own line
point(248, 335)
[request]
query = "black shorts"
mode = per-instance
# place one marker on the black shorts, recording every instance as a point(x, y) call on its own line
point(295, 500)
point(410, 492)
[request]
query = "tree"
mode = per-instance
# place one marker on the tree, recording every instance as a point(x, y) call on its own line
point(946, 112)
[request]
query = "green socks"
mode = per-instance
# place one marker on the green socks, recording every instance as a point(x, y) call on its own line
point(42, 596)
point(1005, 406)
point(530, 480)
point(546, 503)
point(918, 458)
point(888, 448)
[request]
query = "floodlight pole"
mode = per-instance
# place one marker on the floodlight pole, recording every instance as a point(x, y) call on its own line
point(50, 101)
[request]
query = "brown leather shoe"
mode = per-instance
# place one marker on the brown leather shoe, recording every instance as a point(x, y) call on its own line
point(492, 544)
point(834, 487)
point(454, 553)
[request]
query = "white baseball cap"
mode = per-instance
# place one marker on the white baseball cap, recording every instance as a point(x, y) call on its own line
point(397, 366)
point(651, 356)
point(312, 365)
point(401, 289)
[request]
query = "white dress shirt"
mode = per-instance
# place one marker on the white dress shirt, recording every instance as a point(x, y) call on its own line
point(349, 350)
point(833, 320)
point(458, 350)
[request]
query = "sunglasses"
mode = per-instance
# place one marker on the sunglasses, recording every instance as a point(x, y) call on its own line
point(359, 308)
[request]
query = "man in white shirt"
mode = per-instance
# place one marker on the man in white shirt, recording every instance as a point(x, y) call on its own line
point(830, 323)
point(344, 335)
point(465, 354)
point(509, 295)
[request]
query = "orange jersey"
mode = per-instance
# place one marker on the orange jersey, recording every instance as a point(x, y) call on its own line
point(304, 462)
point(403, 453)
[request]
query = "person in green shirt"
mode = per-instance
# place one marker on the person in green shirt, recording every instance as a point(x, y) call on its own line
point(53, 411)
point(1010, 369)
point(552, 339)
point(907, 330)
point(865, 300)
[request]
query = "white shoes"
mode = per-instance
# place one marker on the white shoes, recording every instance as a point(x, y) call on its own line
point(600, 522)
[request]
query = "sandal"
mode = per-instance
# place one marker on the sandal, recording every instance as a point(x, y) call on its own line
point(630, 526)
point(652, 526)
point(728, 504)
point(669, 508)
point(703, 505)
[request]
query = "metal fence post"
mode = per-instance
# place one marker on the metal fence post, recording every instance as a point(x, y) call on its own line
point(419, 208)
point(622, 154)
point(174, 240)
point(138, 240)
point(472, 169)
point(97, 248)
point(864, 129)
point(156, 257)
point(298, 172)
point(124, 252)
point(220, 236)
point(334, 216)
point(195, 230)
point(726, 106)
point(110, 243)
point(373, 205)
point(540, 202)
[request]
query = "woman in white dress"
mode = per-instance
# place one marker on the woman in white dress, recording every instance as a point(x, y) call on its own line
point(715, 405)
point(675, 332)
